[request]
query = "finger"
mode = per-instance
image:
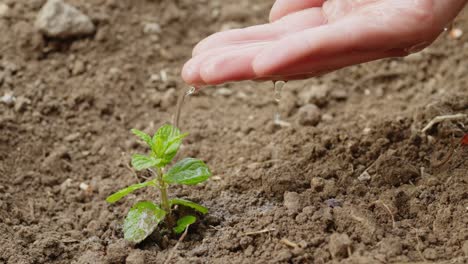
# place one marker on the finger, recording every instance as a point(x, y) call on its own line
point(447, 10)
point(301, 20)
point(325, 64)
point(235, 65)
point(379, 27)
point(329, 64)
point(191, 70)
point(282, 8)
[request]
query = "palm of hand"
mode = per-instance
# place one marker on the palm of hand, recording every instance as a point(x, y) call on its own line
point(309, 37)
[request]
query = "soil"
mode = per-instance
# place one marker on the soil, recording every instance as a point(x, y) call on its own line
point(357, 185)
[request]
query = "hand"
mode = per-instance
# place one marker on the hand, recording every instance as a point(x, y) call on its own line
point(307, 38)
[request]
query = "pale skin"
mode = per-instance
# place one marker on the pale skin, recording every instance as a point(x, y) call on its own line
point(306, 38)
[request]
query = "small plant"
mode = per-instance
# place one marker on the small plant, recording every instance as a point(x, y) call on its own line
point(145, 216)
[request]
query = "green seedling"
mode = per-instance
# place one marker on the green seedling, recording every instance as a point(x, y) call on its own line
point(145, 216)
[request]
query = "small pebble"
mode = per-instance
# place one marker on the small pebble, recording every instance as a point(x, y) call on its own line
point(456, 33)
point(224, 92)
point(309, 115)
point(8, 99)
point(365, 176)
point(4, 10)
point(151, 28)
point(58, 19)
point(72, 137)
point(339, 245)
point(84, 186)
point(79, 67)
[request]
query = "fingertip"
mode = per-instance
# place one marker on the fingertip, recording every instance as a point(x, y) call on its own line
point(275, 12)
point(207, 71)
point(264, 63)
point(235, 65)
point(191, 73)
point(197, 49)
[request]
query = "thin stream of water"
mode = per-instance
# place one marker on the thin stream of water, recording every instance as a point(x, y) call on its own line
point(180, 103)
point(278, 88)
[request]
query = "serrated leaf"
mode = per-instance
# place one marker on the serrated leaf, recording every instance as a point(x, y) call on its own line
point(142, 220)
point(197, 207)
point(141, 162)
point(124, 192)
point(166, 143)
point(188, 171)
point(145, 137)
point(183, 223)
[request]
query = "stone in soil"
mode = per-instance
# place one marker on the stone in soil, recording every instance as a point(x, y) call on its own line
point(292, 201)
point(4, 10)
point(309, 115)
point(57, 19)
point(339, 245)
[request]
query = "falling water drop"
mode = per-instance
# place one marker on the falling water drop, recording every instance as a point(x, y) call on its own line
point(180, 103)
point(278, 85)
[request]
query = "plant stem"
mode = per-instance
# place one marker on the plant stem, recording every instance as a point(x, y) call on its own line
point(164, 199)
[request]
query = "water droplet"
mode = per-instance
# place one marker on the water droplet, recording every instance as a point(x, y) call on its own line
point(448, 27)
point(278, 88)
point(191, 91)
point(180, 102)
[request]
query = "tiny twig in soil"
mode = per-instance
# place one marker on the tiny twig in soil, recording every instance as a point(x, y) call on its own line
point(259, 232)
point(171, 254)
point(289, 243)
point(444, 160)
point(439, 119)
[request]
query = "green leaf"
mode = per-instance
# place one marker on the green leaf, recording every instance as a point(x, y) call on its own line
point(124, 192)
point(145, 137)
point(142, 220)
point(188, 171)
point(183, 223)
point(166, 143)
point(200, 208)
point(141, 162)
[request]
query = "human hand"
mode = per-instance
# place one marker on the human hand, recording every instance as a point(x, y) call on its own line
point(307, 38)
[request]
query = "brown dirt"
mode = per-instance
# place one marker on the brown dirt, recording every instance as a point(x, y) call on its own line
point(298, 184)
